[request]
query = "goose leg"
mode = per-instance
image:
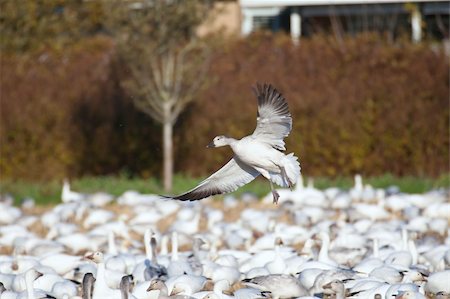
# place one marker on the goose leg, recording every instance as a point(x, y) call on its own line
point(274, 193)
point(284, 174)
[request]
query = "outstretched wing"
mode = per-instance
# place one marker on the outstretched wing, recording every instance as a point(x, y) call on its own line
point(229, 178)
point(274, 122)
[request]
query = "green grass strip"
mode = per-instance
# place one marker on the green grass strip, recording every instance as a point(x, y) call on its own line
point(49, 193)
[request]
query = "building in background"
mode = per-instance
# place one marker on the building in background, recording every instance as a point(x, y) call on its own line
point(418, 19)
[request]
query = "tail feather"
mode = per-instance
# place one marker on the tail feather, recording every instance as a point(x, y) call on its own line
point(292, 168)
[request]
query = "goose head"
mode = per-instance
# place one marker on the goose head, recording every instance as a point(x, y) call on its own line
point(278, 241)
point(156, 284)
point(336, 286)
point(96, 257)
point(405, 295)
point(415, 276)
point(180, 288)
point(441, 295)
point(219, 141)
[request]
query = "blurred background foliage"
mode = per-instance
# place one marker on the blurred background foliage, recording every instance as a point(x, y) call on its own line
point(360, 105)
point(368, 107)
point(28, 25)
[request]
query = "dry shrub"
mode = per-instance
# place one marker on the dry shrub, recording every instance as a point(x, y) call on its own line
point(367, 106)
point(63, 114)
point(362, 105)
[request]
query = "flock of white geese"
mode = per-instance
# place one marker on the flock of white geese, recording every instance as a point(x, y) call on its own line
point(358, 243)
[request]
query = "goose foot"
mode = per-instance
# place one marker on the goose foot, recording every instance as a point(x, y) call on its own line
point(275, 196)
point(284, 174)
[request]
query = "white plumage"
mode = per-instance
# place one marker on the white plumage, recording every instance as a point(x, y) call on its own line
point(259, 153)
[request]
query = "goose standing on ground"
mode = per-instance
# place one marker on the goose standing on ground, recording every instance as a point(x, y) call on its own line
point(280, 285)
point(126, 286)
point(335, 287)
point(159, 285)
point(68, 195)
point(101, 288)
point(152, 268)
point(23, 286)
point(259, 153)
point(177, 266)
point(438, 282)
point(87, 286)
point(23, 280)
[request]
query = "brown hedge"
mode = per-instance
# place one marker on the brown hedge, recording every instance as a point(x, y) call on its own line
point(64, 115)
point(361, 105)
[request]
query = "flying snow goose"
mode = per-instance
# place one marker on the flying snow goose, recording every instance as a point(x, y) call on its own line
point(259, 153)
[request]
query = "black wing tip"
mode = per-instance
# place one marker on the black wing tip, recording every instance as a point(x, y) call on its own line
point(178, 197)
point(195, 195)
point(259, 88)
point(266, 92)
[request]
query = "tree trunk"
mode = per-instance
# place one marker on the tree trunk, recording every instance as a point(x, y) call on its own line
point(168, 156)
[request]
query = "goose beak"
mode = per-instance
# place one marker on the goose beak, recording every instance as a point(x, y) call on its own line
point(89, 256)
point(152, 286)
point(211, 145)
point(327, 286)
point(175, 292)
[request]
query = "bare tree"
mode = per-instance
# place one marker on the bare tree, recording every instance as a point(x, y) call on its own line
point(167, 62)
